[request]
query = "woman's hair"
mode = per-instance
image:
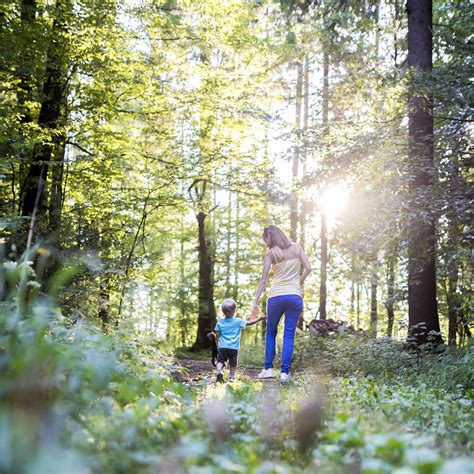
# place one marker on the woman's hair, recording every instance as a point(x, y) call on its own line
point(275, 237)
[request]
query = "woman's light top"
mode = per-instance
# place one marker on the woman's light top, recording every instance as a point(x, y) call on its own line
point(286, 280)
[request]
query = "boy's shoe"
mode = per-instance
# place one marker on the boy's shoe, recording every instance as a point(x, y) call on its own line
point(266, 374)
point(219, 378)
point(284, 378)
point(231, 379)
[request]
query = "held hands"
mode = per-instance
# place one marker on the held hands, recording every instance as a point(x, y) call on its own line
point(255, 312)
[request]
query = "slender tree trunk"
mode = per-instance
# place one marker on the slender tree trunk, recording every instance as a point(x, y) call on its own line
point(390, 304)
point(358, 305)
point(324, 265)
point(325, 104)
point(235, 287)
point(353, 293)
point(396, 29)
point(182, 285)
point(377, 32)
point(373, 300)
point(305, 151)
point(454, 303)
point(452, 264)
point(207, 312)
point(266, 220)
point(352, 307)
point(296, 156)
point(228, 268)
point(422, 304)
point(305, 159)
point(56, 194)
point(324, 230)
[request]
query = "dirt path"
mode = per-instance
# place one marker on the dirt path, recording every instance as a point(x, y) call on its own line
point(200, 370)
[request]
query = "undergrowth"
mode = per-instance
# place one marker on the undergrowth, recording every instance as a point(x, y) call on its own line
point(76, 400)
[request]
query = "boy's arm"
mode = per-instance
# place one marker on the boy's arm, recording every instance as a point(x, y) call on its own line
point(255, 321)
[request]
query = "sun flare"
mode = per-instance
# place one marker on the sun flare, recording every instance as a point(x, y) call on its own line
point(333, 201)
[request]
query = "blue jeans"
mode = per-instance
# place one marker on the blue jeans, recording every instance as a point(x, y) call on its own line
point(291, 306)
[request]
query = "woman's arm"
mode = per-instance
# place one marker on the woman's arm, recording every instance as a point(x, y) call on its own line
point(267, 263)
point(306, 265)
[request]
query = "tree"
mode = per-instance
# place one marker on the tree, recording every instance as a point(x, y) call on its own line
point(207, 311)
point(390, 301)
point(373, 298)
point(324, 229)
point(422, 303)
point(54, 93)
point(296, 156)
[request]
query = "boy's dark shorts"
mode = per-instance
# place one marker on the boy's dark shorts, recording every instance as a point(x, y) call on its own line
point(225, 354)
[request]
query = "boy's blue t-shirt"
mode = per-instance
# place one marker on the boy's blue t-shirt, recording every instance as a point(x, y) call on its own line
point(229, 330)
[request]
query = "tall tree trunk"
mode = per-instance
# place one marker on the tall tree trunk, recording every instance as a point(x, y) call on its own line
point(296, 156)
point(228, 269)
point(266, 221)
point(454, 303)
point(235, 286)
point(353, 292)
point(182, 285)
point(390, 304)
point(207, 312)
point(422, 304)
point(358, 305)
point(324, 265)
point(352, 307)
point(324, 230)
point(304, 209)
point(303, 212)
point(373, 300)
point(25, 86)
point(49, 116)
point(27, 17)
point(452, 260)
point(325, 104)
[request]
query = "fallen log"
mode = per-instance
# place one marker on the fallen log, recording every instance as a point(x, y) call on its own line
point(324, 327)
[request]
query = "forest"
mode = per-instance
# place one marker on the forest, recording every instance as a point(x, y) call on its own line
point(145, 145)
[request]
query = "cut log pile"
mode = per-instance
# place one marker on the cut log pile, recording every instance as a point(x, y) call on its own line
point(324, 327)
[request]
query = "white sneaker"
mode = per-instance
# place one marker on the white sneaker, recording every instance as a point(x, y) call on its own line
point(266, 374)
point(284, 378)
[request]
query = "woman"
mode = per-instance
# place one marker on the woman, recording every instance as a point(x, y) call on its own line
point(285, 258)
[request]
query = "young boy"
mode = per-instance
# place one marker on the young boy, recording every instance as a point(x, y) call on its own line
point(228, 337)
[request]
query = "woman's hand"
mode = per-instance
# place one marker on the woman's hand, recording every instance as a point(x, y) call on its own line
point(267, 263)
point(255, 311)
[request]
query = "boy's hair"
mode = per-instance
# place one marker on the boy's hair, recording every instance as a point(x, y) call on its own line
point(228, 307)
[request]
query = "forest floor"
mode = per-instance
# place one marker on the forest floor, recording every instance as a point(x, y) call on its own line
point(198, 370)
point(347, 409)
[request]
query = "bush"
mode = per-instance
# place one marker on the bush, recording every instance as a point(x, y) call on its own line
point(71, 397)
point(387, 359)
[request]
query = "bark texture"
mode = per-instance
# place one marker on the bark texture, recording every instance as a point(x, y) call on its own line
point(207, 312)
point(422, 304)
